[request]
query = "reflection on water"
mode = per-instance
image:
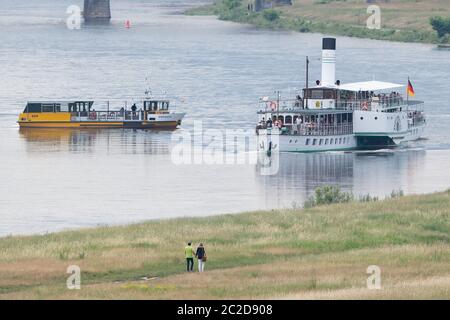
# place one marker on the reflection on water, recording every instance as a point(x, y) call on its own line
point(87, 140)
point(73, 178)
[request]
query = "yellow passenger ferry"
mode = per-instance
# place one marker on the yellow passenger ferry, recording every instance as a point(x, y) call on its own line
point(147, 114)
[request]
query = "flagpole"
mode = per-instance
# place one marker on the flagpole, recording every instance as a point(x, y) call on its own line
point(407, 95)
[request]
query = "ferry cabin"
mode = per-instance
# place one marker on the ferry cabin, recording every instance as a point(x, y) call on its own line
point(148, 113)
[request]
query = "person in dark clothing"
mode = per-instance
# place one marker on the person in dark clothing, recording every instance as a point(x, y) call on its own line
point(201, 256)
point(133, 109)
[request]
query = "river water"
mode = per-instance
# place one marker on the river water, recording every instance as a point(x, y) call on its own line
point(215, 72)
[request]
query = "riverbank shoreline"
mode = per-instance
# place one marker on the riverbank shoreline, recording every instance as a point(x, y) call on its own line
point(400, 22)
point(319, 252)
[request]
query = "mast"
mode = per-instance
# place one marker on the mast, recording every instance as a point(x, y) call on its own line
point(278, 104)
point(307, 83)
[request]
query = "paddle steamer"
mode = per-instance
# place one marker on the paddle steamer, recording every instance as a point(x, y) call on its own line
point(333, 116)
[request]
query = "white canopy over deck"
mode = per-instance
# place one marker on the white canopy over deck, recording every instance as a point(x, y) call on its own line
point(369, 86)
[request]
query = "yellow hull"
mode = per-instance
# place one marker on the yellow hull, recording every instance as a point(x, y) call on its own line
point(70, 125)
point(97, 124)
point(63, 120)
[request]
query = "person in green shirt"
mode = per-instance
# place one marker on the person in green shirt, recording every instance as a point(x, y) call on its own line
point(189, 253)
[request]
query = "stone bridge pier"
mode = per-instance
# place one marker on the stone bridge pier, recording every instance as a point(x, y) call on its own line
point(97, 11)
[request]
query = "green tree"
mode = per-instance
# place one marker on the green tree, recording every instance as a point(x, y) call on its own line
point(441, 25)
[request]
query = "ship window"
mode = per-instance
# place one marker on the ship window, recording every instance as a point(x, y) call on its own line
point(57, 107)
point(320, 142)
point(314, 142)
point(331, 141)
point(326, 141)
point(48, 107)
point(336, 141)
point(362, 118)
point(288, 120)
point(340, 140)
point(32, 108)
point(316, 94)
point(307, 142)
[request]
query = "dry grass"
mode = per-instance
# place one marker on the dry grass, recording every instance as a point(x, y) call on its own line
point(396, 14)
point(317, 253)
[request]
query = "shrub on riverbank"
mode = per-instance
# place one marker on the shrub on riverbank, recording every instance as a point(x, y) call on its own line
point(333, 194)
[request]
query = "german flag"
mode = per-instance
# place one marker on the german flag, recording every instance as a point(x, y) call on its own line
point(410, 89)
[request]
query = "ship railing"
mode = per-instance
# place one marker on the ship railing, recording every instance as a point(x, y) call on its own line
point(108, 115)
point(311, 129)
point(415, 118)
point(368, 104)
point(280, 105)
point(319, 130)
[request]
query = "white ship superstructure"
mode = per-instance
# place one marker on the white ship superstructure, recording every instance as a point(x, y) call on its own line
point(335, 116)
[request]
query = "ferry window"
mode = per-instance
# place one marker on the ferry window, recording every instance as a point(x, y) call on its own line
point(307, 142)
point(328, 94)
point(48, 107)
point(33, 107)
point(326, 141)
point(331, 141)
point(336, 141)
point(340, 140)
point(316, 94)
point(288, 119)
point(57, 107)
point(320, 142)
point(314, 142)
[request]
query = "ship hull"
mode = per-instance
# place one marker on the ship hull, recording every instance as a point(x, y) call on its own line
point(273, 141)
point(97, 124)
point(268, 142)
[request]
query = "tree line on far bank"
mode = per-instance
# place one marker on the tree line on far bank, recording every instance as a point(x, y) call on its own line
point(441, 25)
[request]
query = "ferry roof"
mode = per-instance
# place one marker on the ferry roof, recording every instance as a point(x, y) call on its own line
point(369, 86)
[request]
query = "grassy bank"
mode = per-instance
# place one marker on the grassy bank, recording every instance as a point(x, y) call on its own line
point(320, 252)
point(401, 20)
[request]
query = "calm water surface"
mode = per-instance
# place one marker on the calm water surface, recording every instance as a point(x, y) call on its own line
point(215, 71)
